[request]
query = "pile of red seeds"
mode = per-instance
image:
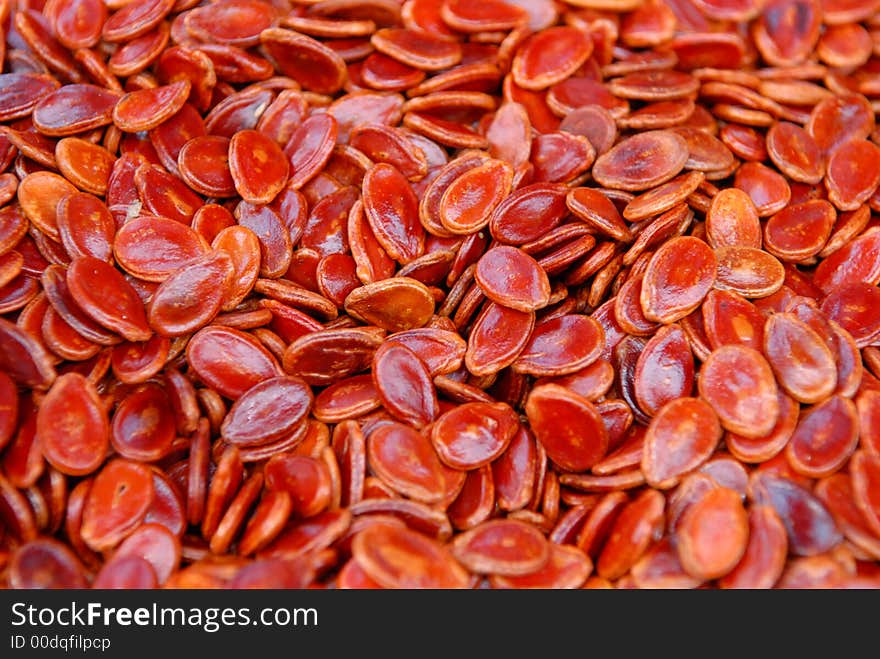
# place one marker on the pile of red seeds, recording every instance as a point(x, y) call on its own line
point(439, 293)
